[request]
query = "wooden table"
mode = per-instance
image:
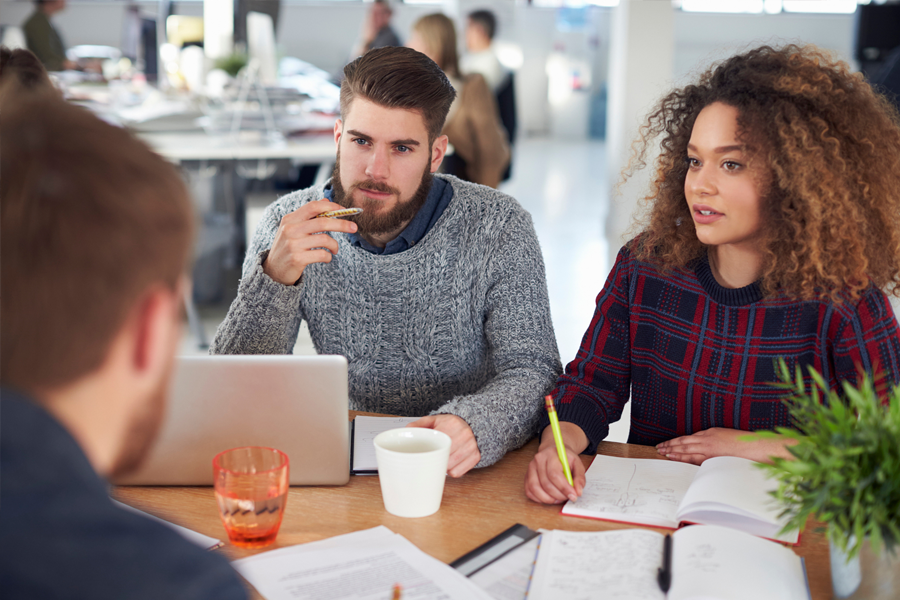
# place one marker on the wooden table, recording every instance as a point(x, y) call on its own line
point(475, 508)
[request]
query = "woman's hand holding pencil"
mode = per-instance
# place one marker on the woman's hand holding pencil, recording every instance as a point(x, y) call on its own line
point(546, 481)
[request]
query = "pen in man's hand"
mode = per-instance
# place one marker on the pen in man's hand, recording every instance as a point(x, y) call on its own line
point(337, 214)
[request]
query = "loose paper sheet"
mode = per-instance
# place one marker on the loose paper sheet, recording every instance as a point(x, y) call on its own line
point(507, 578)
point(358, 566)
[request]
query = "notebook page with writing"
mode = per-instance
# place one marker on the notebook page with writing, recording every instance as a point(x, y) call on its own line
point(718, 562)
point(641, 491)
point(613, 565)
point(734, 492)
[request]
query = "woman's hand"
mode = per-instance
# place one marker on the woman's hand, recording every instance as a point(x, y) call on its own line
point(721, 441)
point(545, 480)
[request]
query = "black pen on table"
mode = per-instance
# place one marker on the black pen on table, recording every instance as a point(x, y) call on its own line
point(664, 574)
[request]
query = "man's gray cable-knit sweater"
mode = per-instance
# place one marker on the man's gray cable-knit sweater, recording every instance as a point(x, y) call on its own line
point(458, 324)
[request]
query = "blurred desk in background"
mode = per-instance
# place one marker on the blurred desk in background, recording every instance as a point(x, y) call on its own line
point(200, 146)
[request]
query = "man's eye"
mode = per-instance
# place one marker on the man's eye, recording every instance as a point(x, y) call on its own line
point(360, 141)
point(403, 149)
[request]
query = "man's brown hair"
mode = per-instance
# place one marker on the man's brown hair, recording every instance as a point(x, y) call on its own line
point(398, 77)
point(24, 67)
point(90, 220)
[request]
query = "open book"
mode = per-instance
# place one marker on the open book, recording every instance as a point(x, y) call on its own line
point(707, 562)
point(727, 491)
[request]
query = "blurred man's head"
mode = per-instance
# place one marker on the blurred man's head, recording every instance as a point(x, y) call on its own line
point(21, 68)
point(481, 26)
point(381, 14)
point(394, 102)
point(96, 235)
point(51, 7)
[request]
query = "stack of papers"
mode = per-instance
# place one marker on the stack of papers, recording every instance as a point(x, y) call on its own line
point(364, 565)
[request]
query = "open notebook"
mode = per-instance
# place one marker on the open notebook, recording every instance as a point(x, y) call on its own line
point(727, 491)
point(707, 562)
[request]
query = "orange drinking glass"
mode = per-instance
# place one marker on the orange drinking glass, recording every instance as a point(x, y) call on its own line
point(251, 486)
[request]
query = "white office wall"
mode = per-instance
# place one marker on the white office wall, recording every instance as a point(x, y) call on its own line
point(701, 38)
point(323, 33)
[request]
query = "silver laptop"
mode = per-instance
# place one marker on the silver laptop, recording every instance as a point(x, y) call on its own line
point(297, 404)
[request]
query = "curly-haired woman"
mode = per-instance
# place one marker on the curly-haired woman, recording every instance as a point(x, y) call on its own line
point(773, 227)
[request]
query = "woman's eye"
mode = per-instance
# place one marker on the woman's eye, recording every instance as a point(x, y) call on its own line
point(730, 165)
point(692, 162)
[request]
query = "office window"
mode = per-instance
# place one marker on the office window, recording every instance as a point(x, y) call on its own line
point(769, 6)
point(571, 3)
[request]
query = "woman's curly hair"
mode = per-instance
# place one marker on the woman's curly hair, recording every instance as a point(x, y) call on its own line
point(831, 147)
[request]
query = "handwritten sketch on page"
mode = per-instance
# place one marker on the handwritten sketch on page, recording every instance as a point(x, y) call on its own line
point(646, 488)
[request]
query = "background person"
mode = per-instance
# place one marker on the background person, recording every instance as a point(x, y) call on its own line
point(480, 57)
point(95, 234)
point(436, 294)
point(43, 39)
point(774, 225)
point(377, 31)
point(481, 149)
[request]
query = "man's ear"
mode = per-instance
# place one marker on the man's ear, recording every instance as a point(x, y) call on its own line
point(438, 150)
point(338, 131)
point(156, 326)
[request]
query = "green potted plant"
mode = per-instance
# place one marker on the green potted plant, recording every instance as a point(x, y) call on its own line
point(845, 472)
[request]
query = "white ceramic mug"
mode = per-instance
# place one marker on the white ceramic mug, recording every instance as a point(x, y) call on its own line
point(412, 467)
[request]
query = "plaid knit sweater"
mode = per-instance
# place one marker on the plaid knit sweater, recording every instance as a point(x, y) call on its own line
point(696, 355)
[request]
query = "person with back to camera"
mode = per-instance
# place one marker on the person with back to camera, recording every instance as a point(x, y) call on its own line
point(95, 239)
point(436, 293)
point(774, 226)
point(473, 124)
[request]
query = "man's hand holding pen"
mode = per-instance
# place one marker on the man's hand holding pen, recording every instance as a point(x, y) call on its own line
point(297, 244)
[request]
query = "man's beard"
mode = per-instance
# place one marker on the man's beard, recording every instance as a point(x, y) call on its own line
point(374, 220)
point(142, 431)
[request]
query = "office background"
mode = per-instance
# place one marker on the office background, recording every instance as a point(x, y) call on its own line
point(584, 77)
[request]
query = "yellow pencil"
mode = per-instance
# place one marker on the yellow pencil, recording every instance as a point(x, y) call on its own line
point(397, 591)
point(557, 437)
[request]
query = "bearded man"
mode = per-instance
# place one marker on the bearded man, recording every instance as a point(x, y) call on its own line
point(435, 293)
